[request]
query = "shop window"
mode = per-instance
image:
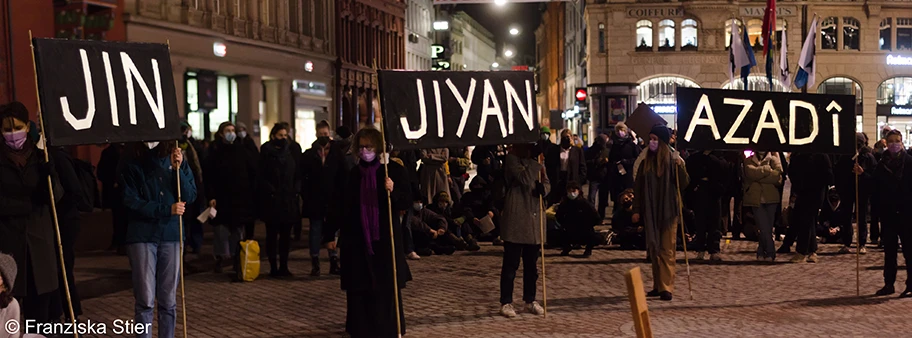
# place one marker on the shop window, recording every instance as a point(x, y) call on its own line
point(828, 33)
point(666, 35)
point(205, 122)
point(644, 35)
point(757, 83)
point(850, 33)
point(689, 34)
point(661, 90)
point(841, 86)
point(886, 36)
point(728, 31)
point(601, 37)
point(904, 34)
point(755, 33)
point(895, 91)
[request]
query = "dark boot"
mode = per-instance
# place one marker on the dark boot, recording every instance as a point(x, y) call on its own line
point(457, 242)
point(218, 264)
point(472, 244)
point(315, 266)
point(334, 265)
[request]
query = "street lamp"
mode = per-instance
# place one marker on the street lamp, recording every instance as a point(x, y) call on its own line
point(441, 25)
point(500, 2)
point(508, 53)
point(514, 31)
point(495, 65)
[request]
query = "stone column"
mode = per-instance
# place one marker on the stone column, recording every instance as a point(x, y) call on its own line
point(250, 92)
point(180, 91)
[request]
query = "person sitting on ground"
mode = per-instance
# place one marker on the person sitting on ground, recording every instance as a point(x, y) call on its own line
point(829, 227)
point(477, 204)
point(628, 234)
point(9, 306)
point(578, 218)
point(429, 232)
point(457, 226)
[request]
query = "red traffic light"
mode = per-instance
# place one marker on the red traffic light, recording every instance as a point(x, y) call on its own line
point(581, 94)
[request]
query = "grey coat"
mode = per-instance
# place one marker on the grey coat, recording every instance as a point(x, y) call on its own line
point(433, 172)
point(521, 220)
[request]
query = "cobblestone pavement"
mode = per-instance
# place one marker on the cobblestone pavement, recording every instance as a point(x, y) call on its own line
point(457, 296)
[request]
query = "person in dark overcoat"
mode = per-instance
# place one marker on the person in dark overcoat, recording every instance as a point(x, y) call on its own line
point(704, 197)
point(230, 182)
point(892, 191)
point(26, 227)
point(364, 241)
point(621, 159)
point(844, 172)
point(579, 218)
point(564, 164)
point(322, 175)
point(278, 184)
point(74, 200)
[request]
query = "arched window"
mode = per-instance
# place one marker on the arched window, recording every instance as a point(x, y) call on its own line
point(903, 33)
point(886, 36)
point(895, 91)
point(728, 31)
point(850, 33)
point(666, 35)
point(755, 33)
point(660, 94)
point(689, 34)
point(828, 33)
point(601, 37)
point(841, 86)
point(757, 83)
point(644, 35)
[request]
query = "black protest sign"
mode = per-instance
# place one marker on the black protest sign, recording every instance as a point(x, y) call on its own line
point(765, 121)
point(105, 92)
point(435, 109)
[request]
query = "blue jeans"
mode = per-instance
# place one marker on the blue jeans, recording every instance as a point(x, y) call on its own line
point(316, 238)
point(764, 215)
point(593, 192)
point(155, 270)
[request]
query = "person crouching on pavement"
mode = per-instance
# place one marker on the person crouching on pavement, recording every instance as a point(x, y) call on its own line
point(458, 227)
point(892, 191)
point(830, 227)
point(9, 307)
point(153, 234)
point(579, 218)
point(429, 232)
point(521, 228)
point(629, 235)
point(657, 188)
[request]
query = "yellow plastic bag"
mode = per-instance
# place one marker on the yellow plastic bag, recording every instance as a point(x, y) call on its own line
point(250, 260)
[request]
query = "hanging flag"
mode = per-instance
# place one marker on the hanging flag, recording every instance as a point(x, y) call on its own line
point(769, 25)
point(807, 63)
point(740, 59)
point(732, 65)
point(784, 62)
point(749, 52)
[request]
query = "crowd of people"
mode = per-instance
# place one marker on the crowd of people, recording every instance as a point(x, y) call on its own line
point(358, 194)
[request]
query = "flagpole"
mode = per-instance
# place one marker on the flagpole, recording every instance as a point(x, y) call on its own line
point(804, 29)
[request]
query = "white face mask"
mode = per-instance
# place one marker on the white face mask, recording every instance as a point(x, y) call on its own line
point(151, 145)
point(573, 195)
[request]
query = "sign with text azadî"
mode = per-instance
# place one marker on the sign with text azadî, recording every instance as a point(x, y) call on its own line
point(94, 92)
point(735, 120)
point(428, 109)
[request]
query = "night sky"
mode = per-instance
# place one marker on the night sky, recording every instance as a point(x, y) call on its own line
point(498, 20)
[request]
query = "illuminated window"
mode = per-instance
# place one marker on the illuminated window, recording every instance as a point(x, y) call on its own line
point(758, 83)
point(828, 33)
point(601, 37)
point(666, 35)
point(895, 91)
point(886, 36)
point(850, 33)
point(755, 32)
point(661, 90)
point(841, 86)
point(644, 35)
point(903, 34)
point(689, 34)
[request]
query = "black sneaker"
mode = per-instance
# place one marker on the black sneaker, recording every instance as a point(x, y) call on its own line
point(565, 252)
point(653, 293)
point(886, 290)
point(473, 245)
point(587, 253)
point(665, 295)
point(284, 273)
point(784, 250)
point(315, 266)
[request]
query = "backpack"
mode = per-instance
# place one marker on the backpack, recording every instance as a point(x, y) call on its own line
point(85, 172)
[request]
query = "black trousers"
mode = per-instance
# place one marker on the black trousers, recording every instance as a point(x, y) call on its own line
point(69, 232)
point(896, 229)
point(119, 220)
point(848, 199)
point(806, 225)
point(731, 221)
point(248, 230)
point(707, 224)
point(278, 233)
point(875, 223)
point(512, 254)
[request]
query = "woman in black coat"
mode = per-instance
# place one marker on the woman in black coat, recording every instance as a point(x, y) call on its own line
point(623, 154)
point(26, 228)
point(277, 192)
point(366, 255)
point(892, 187)
point(322, 174)
point(230, 179)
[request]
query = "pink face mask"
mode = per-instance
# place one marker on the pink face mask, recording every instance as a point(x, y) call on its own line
point(368, 155)
point(15, 139)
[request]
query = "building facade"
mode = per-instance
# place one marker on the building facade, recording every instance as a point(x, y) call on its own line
point(575, 116)
point(471, 44)
point(247, 61)
point(642, 51)
point(551, 55)
point(419, 18)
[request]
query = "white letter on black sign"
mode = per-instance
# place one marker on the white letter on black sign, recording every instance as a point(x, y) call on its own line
point(698, 120)
point(109, 76)
point(793, 105)
point(422, 108)
point(84, 123)
point(465, 104)
point(746, 106)
point(130, 72)
point(834, 105)
point(487, 110)
point(439, 109)
point(769, 110)
point(512, 97)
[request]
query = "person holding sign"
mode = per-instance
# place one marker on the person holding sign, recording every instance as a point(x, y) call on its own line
point(892, 190)
point(26, 227)
point(657, 189)
point(526, 184)
point(150, 182)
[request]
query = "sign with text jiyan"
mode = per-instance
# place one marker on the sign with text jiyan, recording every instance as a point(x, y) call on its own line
point(427, 109)
point(771, 121)
point(95, 92)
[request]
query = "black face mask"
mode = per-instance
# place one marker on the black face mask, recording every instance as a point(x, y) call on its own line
point(565, 142)
point(281, 143)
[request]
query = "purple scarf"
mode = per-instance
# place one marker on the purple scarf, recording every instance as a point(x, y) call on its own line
point(370, 206)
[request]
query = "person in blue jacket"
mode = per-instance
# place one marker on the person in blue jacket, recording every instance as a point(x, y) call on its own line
point(150, 185)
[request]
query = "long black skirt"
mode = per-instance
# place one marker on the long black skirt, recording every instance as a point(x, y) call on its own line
point(372, 313)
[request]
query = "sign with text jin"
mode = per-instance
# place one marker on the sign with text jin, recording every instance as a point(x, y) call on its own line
point(95, 92)
point(770, 121)
point(432, 109)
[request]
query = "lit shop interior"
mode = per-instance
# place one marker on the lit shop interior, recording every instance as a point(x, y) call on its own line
point(894, 106)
